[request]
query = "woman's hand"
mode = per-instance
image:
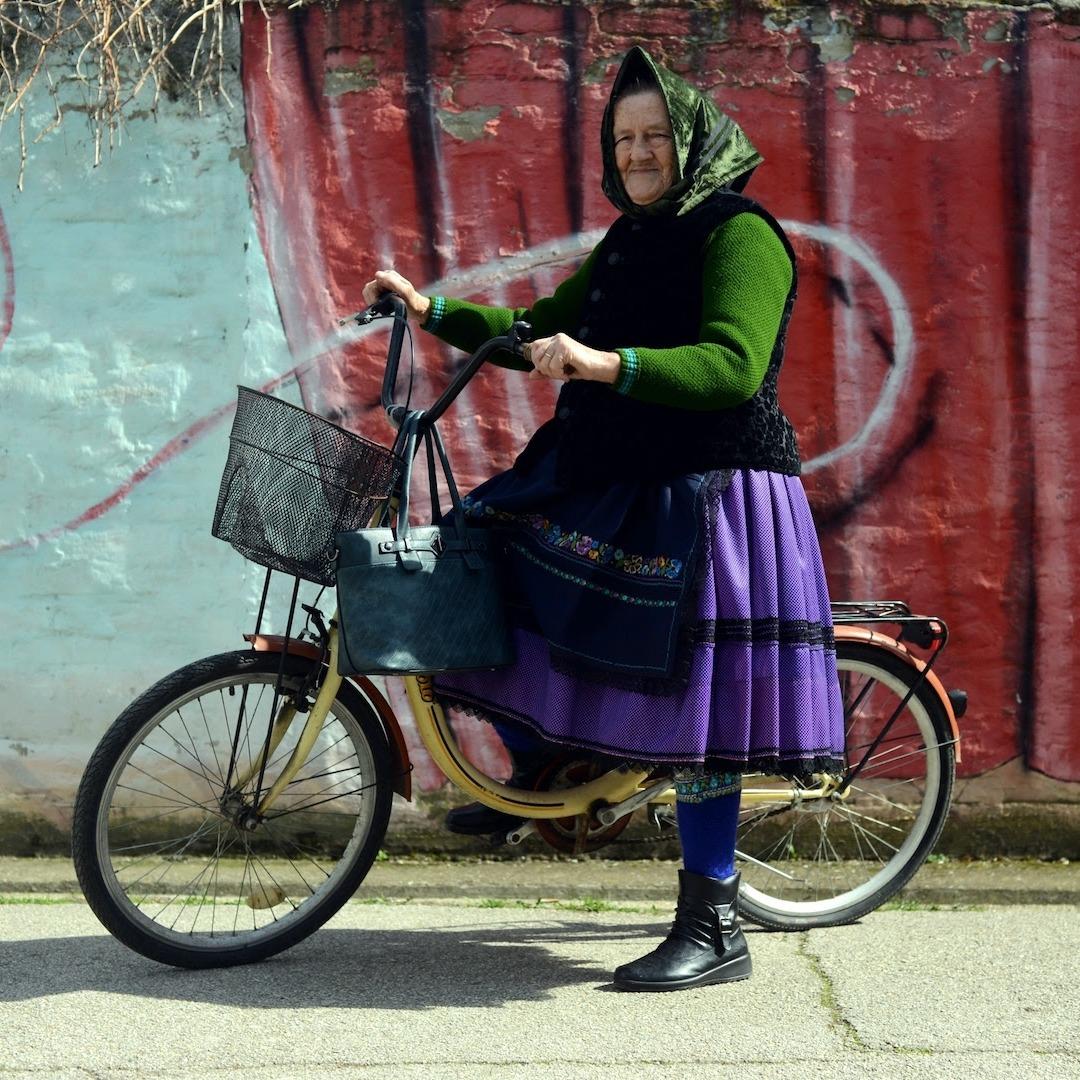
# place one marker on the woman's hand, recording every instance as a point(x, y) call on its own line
point(391, 281)
point(562, 358)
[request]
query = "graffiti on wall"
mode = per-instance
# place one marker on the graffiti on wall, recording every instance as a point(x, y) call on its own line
point(7, 269)
point(928, 373)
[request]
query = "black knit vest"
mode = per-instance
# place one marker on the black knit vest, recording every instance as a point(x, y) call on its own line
point(645, 290)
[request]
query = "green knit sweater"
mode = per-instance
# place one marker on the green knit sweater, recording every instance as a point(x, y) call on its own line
point(745, 281)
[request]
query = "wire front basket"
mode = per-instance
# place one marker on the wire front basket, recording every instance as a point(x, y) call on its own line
point(292, 482)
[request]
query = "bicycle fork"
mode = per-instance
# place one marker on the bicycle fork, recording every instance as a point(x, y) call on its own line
point(320, 709)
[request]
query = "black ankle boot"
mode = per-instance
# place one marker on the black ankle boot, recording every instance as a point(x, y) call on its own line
point(476, 819)
point(705, 945)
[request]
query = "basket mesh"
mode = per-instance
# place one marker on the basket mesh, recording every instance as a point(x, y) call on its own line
point(292, 482)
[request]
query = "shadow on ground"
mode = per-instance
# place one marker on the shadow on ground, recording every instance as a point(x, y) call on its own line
point(478, 966)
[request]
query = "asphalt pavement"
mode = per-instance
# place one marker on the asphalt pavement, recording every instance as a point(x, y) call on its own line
point(483, 986)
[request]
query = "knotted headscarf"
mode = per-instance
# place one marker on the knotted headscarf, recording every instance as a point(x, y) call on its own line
point(711, 150)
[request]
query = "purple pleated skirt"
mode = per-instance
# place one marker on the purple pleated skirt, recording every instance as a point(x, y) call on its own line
point(763, 693)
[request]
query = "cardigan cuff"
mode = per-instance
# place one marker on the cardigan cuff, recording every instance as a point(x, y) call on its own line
point(629, 373)
point(435, 313)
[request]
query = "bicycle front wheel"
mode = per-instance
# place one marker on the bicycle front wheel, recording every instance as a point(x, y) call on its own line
point(168, 852)
point(815, 862)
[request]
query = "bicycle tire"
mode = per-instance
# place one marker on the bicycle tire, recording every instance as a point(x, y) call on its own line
point(845, 857)
point(151, 804)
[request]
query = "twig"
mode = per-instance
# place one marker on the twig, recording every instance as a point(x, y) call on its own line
point(116, 48)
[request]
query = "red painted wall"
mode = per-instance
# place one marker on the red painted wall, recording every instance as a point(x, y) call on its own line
point(925, 162)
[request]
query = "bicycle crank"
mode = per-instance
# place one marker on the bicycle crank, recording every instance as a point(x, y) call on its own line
point(579, 833)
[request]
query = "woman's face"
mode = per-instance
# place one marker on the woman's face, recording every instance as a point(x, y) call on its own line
point(644, 147)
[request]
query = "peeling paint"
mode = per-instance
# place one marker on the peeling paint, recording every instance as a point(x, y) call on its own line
point(834, 37)
point(242, 154)
point(347, 80)
point(469, 124)
point(956, 27)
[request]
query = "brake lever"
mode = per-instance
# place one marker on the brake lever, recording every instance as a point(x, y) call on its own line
point(381, 309)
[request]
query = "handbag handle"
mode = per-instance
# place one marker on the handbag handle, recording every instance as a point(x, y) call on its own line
point(434, 441)
point(412, 430)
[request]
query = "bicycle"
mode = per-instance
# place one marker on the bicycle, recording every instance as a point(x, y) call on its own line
point(212, 827)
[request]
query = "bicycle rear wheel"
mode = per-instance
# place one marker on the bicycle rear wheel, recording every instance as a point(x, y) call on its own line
point(824, 862)
point(175, 866)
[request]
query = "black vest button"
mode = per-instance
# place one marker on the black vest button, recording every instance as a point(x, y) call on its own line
point(583, 333)
point(596, 296)
point(614, 258)
point(563, 413)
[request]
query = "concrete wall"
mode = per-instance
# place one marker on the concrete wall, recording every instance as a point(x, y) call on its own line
point(136, 296)
point(921, 158)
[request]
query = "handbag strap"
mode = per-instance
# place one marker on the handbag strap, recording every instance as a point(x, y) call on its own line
point(407, 437)
point(434, 440)
point(411, 428)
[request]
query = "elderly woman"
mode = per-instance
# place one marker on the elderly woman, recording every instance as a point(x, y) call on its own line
point(669, 603)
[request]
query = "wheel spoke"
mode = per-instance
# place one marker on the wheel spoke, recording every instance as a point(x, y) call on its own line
point(307, 855)
point(184, 804)
point(867, 832)
point(210, 741)
point(869, 837)
point(166, 850)
point(168, 787)
point(194, 749)
point(186, 768)
point(878, 797)
point(843, 807)
point(164, 867)
point(330, 798)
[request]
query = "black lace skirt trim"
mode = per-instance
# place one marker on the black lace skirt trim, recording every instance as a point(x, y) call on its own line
point(754, 631)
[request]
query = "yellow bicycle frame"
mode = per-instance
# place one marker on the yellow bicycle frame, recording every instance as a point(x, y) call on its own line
point(438, 738)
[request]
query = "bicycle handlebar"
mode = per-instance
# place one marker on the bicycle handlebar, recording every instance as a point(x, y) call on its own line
point(392, 306)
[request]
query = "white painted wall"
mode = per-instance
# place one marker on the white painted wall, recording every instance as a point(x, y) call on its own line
point(141, 299)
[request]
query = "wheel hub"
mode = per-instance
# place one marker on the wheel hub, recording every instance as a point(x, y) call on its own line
point(241, 812)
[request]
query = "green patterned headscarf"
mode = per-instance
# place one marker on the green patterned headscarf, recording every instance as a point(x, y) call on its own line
point(711, 150)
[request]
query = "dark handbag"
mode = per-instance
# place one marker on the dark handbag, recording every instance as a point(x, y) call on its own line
point(420, 599)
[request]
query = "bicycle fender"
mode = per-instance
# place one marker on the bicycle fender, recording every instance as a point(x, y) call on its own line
point(398, 747)
point(890, 644)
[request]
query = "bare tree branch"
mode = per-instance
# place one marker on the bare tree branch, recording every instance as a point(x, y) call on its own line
point(181, 47)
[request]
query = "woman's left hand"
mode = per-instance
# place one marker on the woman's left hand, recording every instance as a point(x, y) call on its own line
point(562, 358)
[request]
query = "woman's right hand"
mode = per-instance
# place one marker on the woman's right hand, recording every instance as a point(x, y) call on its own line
point(391, 281)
